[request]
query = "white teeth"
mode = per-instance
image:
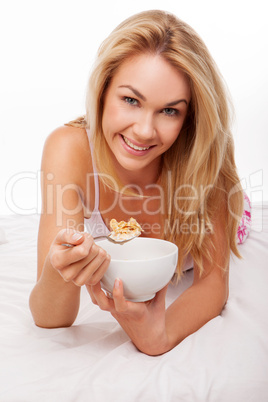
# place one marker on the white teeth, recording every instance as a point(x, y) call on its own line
point(134, 146)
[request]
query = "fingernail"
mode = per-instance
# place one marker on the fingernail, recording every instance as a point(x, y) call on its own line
point(77, 236)
point(116, 284)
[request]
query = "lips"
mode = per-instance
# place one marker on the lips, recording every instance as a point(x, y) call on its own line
point(134, 146)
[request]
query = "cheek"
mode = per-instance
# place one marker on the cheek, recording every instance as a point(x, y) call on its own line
point(113, 115)
point(170, 132)
point(108, 111)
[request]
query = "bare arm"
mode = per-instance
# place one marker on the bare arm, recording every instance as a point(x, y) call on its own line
point(200, 303)
point(54, 301)
point(208, 294)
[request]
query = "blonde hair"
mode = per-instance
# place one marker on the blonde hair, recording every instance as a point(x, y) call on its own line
point(202, 157)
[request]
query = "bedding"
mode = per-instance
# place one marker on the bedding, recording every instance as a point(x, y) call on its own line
point(2, 236)
point(94, 360)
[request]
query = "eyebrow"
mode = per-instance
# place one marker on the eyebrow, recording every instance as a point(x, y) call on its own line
point(139, 95)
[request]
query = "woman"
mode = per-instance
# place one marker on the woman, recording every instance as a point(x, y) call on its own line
point(157, 132)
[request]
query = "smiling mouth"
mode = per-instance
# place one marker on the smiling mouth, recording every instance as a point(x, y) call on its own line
point(129, 143)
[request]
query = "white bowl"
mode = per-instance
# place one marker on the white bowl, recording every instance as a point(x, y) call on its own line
point(144, 265)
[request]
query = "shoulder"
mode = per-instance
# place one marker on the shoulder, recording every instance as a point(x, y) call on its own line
point(67, 150)
point(67, 138)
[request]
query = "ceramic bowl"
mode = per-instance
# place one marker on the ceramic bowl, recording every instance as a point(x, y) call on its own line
point(145, 265)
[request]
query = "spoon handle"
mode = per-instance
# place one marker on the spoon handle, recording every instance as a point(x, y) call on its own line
point(97, 237)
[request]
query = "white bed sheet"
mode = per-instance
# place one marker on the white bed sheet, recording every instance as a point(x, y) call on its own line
point(94, 360)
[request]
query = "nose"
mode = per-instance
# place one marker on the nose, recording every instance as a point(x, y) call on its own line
point(144, 127)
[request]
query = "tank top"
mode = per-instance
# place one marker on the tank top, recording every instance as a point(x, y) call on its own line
point(95, 224)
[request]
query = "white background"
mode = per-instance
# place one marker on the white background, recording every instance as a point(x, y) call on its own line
point(47, 50)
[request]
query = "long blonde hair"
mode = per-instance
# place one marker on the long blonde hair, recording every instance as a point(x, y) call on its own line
point(202, 157)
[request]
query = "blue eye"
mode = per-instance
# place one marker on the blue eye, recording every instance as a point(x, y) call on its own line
point(170, 112)
point(130, 101)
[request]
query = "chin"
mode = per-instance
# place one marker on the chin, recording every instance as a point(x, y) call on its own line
point(132, 167)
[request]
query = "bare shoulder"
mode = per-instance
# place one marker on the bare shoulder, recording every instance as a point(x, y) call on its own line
point(68, 139)
point(66, 152)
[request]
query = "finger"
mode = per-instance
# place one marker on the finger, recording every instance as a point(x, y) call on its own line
point(100, 271)
point(67, 256)
point(120, 302)
point(71, 270)
point(89, 289)
point(94, 271)
point(88, 250)
point(160, 296)
point(69, 237)
point(104, 302)
point(82, 253)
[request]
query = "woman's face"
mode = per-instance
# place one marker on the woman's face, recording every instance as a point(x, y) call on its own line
point(144, 109)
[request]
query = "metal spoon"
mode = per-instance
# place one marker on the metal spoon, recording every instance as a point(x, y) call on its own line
point(107, 237)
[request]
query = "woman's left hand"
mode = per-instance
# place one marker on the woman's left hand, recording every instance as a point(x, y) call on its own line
point(144, 322)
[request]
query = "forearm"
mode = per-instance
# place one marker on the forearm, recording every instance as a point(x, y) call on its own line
point(194, 308)
point(150, 339)
point(54, 302)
